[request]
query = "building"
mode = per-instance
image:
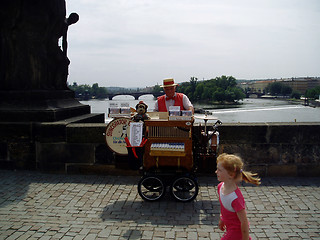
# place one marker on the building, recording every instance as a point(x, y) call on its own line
point(300, 84)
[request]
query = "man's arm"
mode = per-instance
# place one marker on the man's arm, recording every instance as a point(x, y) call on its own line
point(156, 109)
point(191, 109)
point(187, 104)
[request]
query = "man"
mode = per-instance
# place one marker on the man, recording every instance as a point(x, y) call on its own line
point(171, 98)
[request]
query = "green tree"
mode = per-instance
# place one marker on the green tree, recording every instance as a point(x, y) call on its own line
point(199, 91)
point(278, 88)
point(225, 89)
point(98, 92)
point(295, 95)
point(226, 81)
point(207, 93)
point(286, 90)
point(313, 92)
point(220, 89)
point(274, 88)
point(238, 93)
point(157, 89)
point(84, 91)
point(190, 90)
point(219, 95)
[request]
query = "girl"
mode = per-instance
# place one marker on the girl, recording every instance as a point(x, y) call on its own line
point(233, 217)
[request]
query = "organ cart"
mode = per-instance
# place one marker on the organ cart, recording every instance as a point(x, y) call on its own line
point(169, 159)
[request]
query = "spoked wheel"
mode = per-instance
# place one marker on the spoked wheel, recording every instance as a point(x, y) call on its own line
point(151, 188)
point(184, 189)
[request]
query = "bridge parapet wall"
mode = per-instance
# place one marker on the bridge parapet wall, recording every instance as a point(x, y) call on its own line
point(275, 149)
point(284, 149)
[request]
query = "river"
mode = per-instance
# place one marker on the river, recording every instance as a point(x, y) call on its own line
point(251, 110)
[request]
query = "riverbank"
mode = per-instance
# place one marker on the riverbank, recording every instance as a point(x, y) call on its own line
point(209, 108)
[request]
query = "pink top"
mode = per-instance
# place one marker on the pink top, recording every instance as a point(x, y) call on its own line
point(230, 205)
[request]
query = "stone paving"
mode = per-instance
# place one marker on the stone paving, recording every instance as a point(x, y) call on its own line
point(43, 206)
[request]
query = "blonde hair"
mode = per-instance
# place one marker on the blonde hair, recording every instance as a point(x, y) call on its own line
point(234, 164)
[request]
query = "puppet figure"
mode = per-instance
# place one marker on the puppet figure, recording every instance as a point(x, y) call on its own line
point(141, 112)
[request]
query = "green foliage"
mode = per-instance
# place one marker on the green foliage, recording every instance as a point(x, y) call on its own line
point(278, 88)
point(295, 95)
point(157, 89)
point(221, 89)
point(86, 92)
point(199, 91)
point(313, 93)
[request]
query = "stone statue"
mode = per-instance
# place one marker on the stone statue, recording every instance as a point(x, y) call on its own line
point(73, 18)
point(30, 55)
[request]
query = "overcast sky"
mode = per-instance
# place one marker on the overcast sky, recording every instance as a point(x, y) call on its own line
point(138, 43)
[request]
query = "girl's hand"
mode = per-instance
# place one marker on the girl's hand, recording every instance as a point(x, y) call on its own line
point(221, 225)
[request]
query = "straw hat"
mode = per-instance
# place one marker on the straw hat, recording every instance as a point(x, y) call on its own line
point(168, 82)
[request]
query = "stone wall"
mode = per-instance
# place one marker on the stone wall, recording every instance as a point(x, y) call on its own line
point(277, 149)
point(287, 149)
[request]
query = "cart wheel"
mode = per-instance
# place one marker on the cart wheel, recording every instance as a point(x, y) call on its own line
point(151, 188)
point(184, 189)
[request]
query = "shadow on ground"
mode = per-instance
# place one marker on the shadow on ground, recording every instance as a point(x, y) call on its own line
point(166, 212)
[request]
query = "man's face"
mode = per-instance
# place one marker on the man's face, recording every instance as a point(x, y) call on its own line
point(170, 91)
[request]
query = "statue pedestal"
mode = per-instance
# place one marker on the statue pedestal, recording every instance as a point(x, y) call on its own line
point(40, 106)
point(28, 119)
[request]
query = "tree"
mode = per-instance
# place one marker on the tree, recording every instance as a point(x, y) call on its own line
point(313, 92)
point(286, 90)
point(224, 82)
point(192, 88)
point(157, 89)
point(278, 88)
point(207, 93)
point(295, 95)
point(219, 95)
point(274, 88)
point(220, 89)
point(199, 91)
point(238, 93)
point(86, 92)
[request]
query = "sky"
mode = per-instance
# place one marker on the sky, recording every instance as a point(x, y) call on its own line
point(138, 43)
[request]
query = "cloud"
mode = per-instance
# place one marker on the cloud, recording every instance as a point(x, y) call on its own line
point(130, 43)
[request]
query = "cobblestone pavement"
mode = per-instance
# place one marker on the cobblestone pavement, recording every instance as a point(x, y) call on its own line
point(35, 205)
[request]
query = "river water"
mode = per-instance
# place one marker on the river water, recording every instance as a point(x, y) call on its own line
point(251, 110)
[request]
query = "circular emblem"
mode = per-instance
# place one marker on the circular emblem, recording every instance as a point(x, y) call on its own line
point(116, 132)
point(188, 123)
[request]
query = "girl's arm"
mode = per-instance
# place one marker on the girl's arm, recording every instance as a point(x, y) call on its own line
point(242, 215)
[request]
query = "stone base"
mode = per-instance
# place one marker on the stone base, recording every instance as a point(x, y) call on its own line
point(39, 106)
point(43, 145)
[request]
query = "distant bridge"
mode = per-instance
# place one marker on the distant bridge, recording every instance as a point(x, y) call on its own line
point(136, 95)
point(259, 94)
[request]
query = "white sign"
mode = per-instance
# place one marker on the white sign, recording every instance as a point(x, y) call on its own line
point(136, 129)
